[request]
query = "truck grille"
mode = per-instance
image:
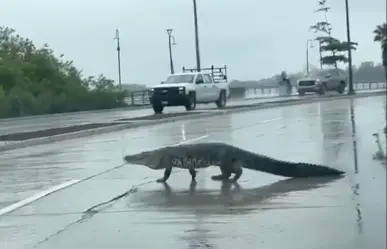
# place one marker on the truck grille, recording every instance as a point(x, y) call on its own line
point(307, 83)
point(167, 91)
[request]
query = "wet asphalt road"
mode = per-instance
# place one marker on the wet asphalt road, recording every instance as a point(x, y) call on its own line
point(34, 123)
point(264, 210)
point(26, 124)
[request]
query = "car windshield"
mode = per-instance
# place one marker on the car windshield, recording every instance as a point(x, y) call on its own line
point(317, 74)
point(320, 74)
point(186, 78)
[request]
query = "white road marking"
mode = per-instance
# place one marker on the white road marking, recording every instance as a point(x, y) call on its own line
point(36, 197)
point(64, 185)
point(190, 140)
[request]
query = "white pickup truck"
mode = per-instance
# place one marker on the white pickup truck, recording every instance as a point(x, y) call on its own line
point(190, 88)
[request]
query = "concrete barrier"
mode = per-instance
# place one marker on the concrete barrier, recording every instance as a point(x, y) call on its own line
point(136, 124)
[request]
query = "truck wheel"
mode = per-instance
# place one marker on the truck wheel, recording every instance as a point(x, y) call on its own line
point(222, 100)
point(191, 104)
point(323, 89)
point(341, 88)
point(158, 108)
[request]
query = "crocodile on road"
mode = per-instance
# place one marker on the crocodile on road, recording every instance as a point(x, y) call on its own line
point(229, 158)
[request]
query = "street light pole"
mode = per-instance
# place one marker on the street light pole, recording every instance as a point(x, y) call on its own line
point(309, 44)
point(118, 57)
point(351, 91)
point(170, 37)
point(196, 37)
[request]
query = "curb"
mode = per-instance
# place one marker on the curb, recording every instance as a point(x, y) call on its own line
point(97, 131)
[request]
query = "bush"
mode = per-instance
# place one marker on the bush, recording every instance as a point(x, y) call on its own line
point(33, 81)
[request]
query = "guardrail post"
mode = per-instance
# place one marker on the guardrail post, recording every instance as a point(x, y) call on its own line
point(132, 97)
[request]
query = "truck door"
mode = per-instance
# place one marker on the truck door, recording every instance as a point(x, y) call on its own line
point(201, 89)
point(212, 89)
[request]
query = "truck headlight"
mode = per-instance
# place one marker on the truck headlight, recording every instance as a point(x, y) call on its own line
point(318, 82)
point(182, 90)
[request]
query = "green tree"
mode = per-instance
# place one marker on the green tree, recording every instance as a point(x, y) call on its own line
point(35, 81)
point(380, 35)
point(332, 50)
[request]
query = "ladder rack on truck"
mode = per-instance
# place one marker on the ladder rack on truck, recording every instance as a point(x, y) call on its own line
point(219, 74)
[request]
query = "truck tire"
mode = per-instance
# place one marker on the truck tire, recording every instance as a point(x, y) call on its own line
point(222, 100)
point(191, 103)
point(158, 108)
point(341, 88)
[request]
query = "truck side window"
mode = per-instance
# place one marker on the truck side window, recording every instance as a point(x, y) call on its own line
point(199, 79)
point(207, 78)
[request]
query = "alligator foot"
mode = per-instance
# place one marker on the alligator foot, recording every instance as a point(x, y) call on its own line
point(220, 177)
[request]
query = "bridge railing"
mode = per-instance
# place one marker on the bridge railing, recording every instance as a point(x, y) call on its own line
point(141, 98)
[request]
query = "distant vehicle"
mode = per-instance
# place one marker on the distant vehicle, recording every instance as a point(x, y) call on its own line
point(322, 81)
point(190, 88)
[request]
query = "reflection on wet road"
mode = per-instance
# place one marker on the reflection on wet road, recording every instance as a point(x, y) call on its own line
point(121, 206)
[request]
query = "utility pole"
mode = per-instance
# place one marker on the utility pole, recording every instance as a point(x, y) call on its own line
point(351, 91)
point(170, 38)
point(118, 57)
point(196, 37)
point(309, 44)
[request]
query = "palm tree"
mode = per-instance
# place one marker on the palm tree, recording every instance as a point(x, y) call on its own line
point(380, 32)
point(381, 36)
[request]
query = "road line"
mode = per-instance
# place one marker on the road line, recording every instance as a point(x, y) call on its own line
point(36, 197)
point(190, 140)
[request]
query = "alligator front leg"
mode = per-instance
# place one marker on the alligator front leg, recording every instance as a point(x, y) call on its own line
point(192, 172)
point(167, 174)
point(191, 166)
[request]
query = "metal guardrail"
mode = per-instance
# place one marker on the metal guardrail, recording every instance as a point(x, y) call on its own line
point(141, 98)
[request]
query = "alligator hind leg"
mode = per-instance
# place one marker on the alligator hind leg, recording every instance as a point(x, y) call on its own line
point(236, 169)
point(224, 176)
point(237, 174)
point(224, 168)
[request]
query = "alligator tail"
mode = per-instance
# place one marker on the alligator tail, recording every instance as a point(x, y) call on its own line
point(290, 169)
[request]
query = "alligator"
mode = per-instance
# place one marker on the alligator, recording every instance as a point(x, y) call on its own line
point(230, 160)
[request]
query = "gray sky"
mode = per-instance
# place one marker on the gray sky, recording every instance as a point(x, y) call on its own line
point(253, 38)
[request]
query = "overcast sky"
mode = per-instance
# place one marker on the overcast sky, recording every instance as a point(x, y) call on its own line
point(253, 38)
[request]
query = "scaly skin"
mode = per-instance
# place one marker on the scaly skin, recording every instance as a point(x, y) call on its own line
point(230, 160)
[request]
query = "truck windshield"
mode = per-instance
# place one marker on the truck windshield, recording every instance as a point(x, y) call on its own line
point(186, 78)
